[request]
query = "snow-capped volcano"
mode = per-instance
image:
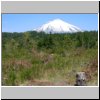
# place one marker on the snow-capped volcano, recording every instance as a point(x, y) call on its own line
point(58, 26)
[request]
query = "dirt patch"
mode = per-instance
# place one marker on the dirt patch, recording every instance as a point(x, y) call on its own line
point(91, 69)
point(17, 63)
point(45, 83)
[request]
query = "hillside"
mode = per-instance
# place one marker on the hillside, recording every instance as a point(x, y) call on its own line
point(36, 58)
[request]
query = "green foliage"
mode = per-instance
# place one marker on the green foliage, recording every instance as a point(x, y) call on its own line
point(87, 39)
point(46, 42)
point(12, 77)
point(32, 55)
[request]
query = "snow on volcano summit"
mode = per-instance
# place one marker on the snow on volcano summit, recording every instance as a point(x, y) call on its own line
point(58, 26)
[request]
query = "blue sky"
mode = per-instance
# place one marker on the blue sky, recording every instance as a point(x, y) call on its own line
point(26, 22)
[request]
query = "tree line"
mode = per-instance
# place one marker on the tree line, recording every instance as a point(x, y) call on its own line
point(54, 42)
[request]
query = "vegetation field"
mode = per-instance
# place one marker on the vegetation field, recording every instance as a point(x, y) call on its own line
point(31, 58)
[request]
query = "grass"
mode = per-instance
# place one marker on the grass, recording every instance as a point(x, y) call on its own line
point(56, 69)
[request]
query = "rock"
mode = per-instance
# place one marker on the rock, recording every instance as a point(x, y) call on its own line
point(80, 79)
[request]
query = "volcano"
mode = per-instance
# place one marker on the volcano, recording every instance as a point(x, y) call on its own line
point(58, 26)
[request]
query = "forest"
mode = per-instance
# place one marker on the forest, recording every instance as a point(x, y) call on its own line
point(31, 58)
